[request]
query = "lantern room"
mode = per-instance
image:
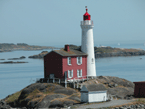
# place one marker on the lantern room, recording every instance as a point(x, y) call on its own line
point(87, 16)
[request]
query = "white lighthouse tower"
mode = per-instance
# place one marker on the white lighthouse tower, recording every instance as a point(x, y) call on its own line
point(88, 43)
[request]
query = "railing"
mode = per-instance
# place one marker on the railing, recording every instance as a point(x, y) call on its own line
point(87, 22)
point(81, 78)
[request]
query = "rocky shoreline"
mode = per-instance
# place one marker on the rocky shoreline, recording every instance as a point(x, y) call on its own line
point(12, 62)
point(101, 52)
point(50, 95)
point(22, 57)
point(115, 54)
point(39, 56)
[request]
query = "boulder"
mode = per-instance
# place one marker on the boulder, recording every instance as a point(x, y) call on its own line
point(65, 91)
point(39, 56)
point(120, 92)
point(56, 103)
point(75, 98)
point(118, 87)
point(46, 101)
point(44, 95)
point(4, 105)
point(67, 103)
point(115, 80)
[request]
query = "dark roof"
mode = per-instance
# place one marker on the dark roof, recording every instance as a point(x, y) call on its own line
point(72, 52)
point(139, 82)
point(95, 87)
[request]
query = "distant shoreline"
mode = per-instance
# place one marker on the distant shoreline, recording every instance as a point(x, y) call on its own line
point(101, 52)
point(8, 47)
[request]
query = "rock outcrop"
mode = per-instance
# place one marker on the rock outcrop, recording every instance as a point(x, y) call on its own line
point(44, 95)
point(4, 105)
point(12, 62)
point(118, 87)
point(22, 57)
point(39, 56)
point(2, 59)
point(103, 52)
point(7, 47)
point(51, 95)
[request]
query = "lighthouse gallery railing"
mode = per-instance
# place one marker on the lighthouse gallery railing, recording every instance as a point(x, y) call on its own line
point(87, 22)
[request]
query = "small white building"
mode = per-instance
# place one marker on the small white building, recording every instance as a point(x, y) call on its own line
point(93, 93)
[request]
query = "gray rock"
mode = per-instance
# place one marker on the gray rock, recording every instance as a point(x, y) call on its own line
point(22, 57)
point(40, 86)
point(75, 98)
point(115, 85)
point(4, 105)
point(45, 103)
point(119, 92)
point(68, 103)
point(32, 104)
point(55, 104)
point(65, 91)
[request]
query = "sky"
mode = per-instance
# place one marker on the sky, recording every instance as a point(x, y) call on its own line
point(57, 22)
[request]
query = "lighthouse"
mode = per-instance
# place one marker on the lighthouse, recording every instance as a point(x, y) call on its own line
point(88, 43)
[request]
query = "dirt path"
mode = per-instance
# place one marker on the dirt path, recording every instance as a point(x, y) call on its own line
point(106, 104)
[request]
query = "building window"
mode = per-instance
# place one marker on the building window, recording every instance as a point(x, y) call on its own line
point(69, 60)
point(79, 73)
point(92, 60)
point(79, 60)
point(70, 73)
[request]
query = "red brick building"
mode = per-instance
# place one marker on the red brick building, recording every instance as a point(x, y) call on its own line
point(69, 61)
point(139, 90)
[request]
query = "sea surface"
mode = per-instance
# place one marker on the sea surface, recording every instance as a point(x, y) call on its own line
point(14, 77)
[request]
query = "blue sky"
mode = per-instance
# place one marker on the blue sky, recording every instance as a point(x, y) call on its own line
point(57, 22)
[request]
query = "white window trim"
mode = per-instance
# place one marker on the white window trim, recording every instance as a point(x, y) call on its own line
point(78, 73)
point(68, 60)
point(70, 71)
point(80, 61)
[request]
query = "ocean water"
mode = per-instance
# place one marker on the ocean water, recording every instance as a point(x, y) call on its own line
point(14, 77)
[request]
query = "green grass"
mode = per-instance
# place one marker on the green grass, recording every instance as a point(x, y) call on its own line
point(13, 97)
point(34, 93)
point(104, 50)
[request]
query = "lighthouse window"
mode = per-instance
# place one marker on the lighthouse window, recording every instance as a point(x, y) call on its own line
point(69, 60)
point(92, 60)
point(85, 17)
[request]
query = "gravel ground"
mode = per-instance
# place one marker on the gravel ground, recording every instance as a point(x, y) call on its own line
point(105, 104)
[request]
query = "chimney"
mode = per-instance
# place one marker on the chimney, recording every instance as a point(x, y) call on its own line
point(67, 48)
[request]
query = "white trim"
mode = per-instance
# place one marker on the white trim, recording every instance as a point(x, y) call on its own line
point(68, 60)
point(70, 73)
point(79, 71)
point(80, 60)
point(92, 92)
